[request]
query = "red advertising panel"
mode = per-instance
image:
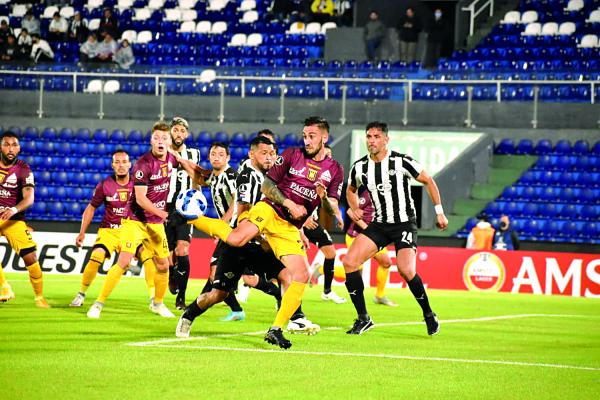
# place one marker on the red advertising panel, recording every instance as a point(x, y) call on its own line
point(460, 269)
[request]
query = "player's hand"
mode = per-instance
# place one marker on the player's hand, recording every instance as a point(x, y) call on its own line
point(163, 215)
point(79, 239)
point(305, 240)
point(311, 223)
point(296, 211)
point(6, 214)
point(321, 189)
point(355, 215)
point(442, 222)
point(339, 221)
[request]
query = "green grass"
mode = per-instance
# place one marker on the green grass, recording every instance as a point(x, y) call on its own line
point(60, 354)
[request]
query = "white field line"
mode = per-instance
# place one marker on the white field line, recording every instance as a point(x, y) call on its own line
point(387, 356)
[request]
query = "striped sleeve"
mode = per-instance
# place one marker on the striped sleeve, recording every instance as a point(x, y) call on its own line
point(411, 166)
point(353, 177)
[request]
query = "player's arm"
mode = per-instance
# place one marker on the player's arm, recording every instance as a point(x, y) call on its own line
point(143, 201)
point(270, 189)
point(24, 204)
point(434, 194)
point(352, 195)
point(330, 204)
point(198, 174)
point(86, 220)
point(361, 223)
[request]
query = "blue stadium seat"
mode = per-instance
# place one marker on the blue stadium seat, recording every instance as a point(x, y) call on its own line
point(55, 209)
point(30, 133)
point(39, 208)
point(238, 139)
point(581, 147)
point(100, 136)
point(563, 147)
point(221, 137)
point(82, 135)
point(117, 136)
point(66, 135)
point(525, 146)
point(543, 146)
point(204, 139)
point(506, 146)
point(135, 136)
point(49, 134)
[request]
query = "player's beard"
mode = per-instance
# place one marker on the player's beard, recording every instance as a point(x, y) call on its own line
point(121, 177)
point(311, 155)
point(177, 143)
point(6, 161)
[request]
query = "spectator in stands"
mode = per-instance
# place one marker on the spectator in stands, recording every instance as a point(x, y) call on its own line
point(24, 43)
point(5, 31)
point(10, 50)
point(438, 33)
point(78, 30)
point(109, 24)
point(57, 31)
point(30, 23)
point(124, 56)
point(41, 50)
point(373, 34)
point(321, 11)
point(408, 32)
point(505, 238)
point(481, 236)
point(89, 49)
point(106, 49)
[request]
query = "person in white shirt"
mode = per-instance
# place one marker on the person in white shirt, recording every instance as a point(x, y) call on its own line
point(107, 48)
point(41, 50)
point(124, 56)
point(57, 31)
point(89, 49)
point(30, 23)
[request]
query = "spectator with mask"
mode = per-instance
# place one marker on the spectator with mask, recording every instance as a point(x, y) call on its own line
point(124, 56)
point(505, 238)
point(408, 32)
point(30, 23)
point(481, 236)
point(438, 32)
point(57, 31)
point(373, 34)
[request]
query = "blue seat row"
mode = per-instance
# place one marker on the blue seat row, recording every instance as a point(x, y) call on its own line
point(545, 147)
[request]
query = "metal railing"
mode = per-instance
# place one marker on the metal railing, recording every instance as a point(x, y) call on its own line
point(476, 8)
point(408, 88)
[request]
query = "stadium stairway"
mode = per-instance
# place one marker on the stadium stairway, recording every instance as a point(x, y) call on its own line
point(500, 9)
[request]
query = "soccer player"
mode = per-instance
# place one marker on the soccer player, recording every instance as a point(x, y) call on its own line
point(245, 163)
point(179, 233)
point(223, 189)
point(386, 175)
point(144, 220)
point(114, 193)
point(301, 179)
point(17, 195)
point(315, 233)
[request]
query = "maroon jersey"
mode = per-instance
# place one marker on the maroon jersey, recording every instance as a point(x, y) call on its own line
point(365, 204)
point(115, 198)
point(12, 181)
point(155, 174)
point(296, 175)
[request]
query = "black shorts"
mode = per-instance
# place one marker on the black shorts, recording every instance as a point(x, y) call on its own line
point(221, 246)
point(403, 235)
point(176, 229)
point(318, 236)
point(248, 260)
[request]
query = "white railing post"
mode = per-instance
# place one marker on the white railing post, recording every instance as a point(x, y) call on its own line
point(40, 111)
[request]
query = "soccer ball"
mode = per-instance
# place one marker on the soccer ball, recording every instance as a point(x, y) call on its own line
point(191, 204)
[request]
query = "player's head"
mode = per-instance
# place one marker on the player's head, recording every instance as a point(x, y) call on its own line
point(377, 137)
point(218, 155)
point(10, 147)
point(504, 222)
point(262, 153)
point(267, 133)
point(179, 131)
point(121, 163)
point(328, 151)
point(315, 135)
point(160, 139)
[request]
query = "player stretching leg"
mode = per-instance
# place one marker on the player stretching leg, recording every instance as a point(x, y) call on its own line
point(17, 195)
point(301, 179)
point(386, 175)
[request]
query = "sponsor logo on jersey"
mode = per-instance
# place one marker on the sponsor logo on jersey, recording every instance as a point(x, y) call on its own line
point(11, 181)
point(392, 172)
point(303, 191)
point(381, 188)
point(161, 188)
point(326, 176)
point(297, 172)
point(119, 210)
point(5, 193)
point(484, 271)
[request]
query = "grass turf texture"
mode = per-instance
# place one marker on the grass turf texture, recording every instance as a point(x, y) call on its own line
point(60, 354)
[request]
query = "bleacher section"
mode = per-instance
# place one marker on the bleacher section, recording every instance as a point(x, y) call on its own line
point(68, 164)
point(557, 199)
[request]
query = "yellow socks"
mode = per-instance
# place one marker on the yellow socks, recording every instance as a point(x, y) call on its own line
point(289, 303)
point(91, 270)
point(213, 227)
point(147, 262)
point(2, 278)
point(161, 280)
point(382, 276)
point(36, 279)
point(112, 279)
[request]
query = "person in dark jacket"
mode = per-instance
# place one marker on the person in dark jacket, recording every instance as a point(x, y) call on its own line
point(408, 32)
point(374, 33)
point(109, 24)
point(438, 32)
point(505, 238)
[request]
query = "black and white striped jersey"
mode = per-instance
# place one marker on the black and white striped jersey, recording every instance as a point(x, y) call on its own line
point(223, 190)
point(181, 181)
point(245, 163)
point(249, 183)
point(388, 183)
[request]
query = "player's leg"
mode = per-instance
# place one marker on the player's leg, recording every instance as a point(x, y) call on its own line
point(227, 274)
point(237, 237)
point(171, 232)
point(161, 278)
point(362, 249)
point(99, 254)
point(183, 270)
point(383, 270)
point(6, 292)
point(19, 238)
point(406, 260)
point(146, 261)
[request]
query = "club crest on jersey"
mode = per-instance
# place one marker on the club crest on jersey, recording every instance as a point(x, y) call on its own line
point(312, 174)
point(123, 194)
point(392, 172)
point(164, 169)
point(2, 175)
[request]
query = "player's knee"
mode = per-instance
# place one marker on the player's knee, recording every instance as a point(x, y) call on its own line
point(217, 295)
point(182, 249)
point(29, 259)
point(328, 252)
point(301, 276)
point(162, 264)
point(236, 240)
point(350, 264)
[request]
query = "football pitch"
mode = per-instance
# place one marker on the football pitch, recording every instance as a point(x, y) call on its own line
point(491, 346)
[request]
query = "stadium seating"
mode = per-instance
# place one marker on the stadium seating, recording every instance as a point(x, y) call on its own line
point(558, 198)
